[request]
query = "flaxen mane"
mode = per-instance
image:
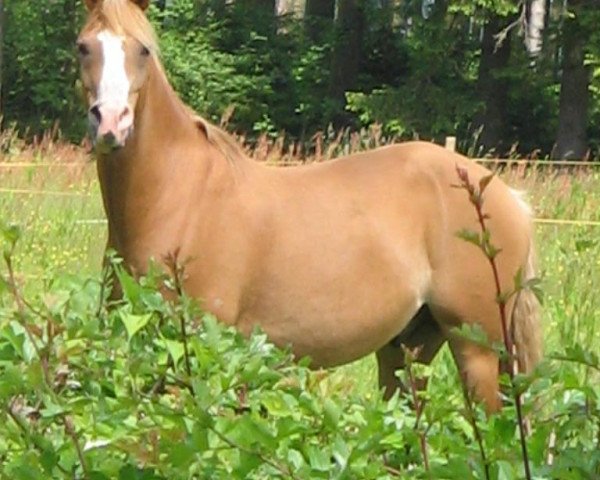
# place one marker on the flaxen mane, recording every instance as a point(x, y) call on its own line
point(123, 18)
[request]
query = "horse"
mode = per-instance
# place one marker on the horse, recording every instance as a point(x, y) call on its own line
point(337, 259)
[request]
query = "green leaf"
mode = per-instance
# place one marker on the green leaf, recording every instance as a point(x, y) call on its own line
point(134, 323)
point(52, 409)
point(470, 236)
point(249, 431)
point(247, 463)
point(492, 251)
point(212, 330)
point(11, 234)
point(175, 349)
point(319, 458)
point(132, 290)
point(506, 470)
point(341, 451)
point(295, 458)
point(200, 437)
point(49, 459)
point(15, 336)
point(535, 286)
point(181, 454)
point(473, 333)
point(11, 381)
point(485, 181)
point(279, 404)
point(204, 419)
point(332, 413)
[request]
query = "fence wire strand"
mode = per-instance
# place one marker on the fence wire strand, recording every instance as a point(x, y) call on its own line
point(494, 161)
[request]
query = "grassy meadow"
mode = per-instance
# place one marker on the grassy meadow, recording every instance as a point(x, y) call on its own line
point(59, 210)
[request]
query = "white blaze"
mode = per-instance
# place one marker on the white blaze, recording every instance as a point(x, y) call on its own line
point(114, 84)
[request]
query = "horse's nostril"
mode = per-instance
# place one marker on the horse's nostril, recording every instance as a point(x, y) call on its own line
point(95, 111)
point(124, 113)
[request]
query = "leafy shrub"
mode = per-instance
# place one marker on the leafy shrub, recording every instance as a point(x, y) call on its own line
point(87, 392)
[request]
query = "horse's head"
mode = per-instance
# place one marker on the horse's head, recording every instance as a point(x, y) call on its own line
point(114, 47)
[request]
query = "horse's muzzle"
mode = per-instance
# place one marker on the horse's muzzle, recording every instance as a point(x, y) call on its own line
point(110, 126)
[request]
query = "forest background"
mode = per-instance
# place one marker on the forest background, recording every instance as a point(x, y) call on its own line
point(505, 77)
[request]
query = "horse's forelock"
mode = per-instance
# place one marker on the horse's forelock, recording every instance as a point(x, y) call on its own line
point(123, 18)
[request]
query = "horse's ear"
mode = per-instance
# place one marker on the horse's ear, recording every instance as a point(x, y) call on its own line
point(201, 124)
point(91, 4)
point(143, 4)
point(198, 120)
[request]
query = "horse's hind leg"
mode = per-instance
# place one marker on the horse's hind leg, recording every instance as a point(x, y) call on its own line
point(479, 369)
point(422, 332)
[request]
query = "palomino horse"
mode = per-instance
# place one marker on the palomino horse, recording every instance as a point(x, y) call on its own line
point(338, 259)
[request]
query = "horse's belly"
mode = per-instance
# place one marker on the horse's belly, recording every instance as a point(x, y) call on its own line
point(338, 288)
point(339, 324)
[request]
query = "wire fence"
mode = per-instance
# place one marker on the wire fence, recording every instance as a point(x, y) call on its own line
point(540, 221)
point(551, 164)
point(504, 162)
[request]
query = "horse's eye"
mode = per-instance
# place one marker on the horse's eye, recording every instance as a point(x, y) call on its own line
point(145, 51)
point(83, 49)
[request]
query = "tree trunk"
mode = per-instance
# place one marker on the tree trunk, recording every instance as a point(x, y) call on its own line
point(318, 18)
point(285, 7)
point(536, 21)
point(492, 89)
point(345, 62)
point(571, 138)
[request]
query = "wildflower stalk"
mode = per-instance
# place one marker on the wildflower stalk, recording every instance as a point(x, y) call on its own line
point(177, 271)
point(490, 251)
point(476, 431)
point(418, 403)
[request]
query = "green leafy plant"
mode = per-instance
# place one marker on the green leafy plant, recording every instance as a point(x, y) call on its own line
point(92, 388)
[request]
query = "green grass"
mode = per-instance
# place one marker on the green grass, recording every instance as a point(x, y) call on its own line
point(61, 219)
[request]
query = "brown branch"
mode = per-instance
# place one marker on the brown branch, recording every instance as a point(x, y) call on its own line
point(178, 273)
point(70, 429)
point(22, 305)
point(106, 275)
point(392, 471)
point(521, 21)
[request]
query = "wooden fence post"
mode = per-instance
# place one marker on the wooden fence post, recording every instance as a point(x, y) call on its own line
point(451, 144)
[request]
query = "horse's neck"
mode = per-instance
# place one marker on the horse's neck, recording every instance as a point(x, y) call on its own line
point(167, 162)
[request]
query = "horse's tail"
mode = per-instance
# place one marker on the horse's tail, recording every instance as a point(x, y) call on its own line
point(526, 324)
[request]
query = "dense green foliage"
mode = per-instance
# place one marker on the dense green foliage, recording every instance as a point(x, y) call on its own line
point(122, 394)
point(40, 66)
point(416, 76)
